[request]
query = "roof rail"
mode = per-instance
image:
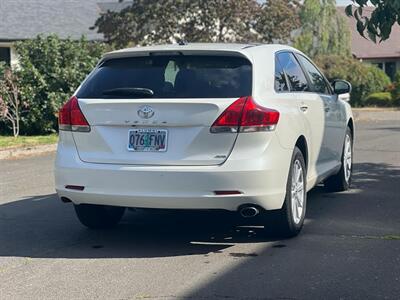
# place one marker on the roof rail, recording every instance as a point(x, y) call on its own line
point(182, 42)
point(252, 45)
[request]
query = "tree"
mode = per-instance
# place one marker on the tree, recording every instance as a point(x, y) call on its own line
point(277, 20)
point(10, 104)
point(50, 69)
point(218, 21)
point(165, 21)
point(323, 31)
point(365, 79)
point(383, 17)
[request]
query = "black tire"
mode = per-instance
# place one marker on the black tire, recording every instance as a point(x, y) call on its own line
point(339, 182)
point(99, 216)
point(282, 222)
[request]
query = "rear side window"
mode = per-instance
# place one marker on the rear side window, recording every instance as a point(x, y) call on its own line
point(176, 76)
point(294, 73)
point(318, 83)
point(280, 78)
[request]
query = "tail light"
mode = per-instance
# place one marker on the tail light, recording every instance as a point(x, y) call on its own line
point(244, 115)
point(71, 118)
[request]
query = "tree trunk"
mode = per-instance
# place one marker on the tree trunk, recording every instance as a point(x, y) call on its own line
point(14, 127)
point(17, 127)
point(17, 120)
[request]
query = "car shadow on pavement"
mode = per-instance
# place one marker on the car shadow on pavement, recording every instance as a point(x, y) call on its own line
point(393, 128)
point(348, 249)
point(43, 227)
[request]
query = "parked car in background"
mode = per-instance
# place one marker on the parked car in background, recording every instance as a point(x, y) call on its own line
point(237, 127)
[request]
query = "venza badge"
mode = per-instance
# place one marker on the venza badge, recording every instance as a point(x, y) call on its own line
point(145, 112)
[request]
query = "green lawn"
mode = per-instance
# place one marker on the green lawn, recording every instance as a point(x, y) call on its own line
point(26, 141)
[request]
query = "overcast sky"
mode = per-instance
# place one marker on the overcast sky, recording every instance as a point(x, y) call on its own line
point(343, 2)
point(338, 2)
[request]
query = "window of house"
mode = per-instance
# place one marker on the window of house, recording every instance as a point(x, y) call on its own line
point(5, 55)
point(390, 69)
point(294, 73)
point(379, 65)
point(318, 83)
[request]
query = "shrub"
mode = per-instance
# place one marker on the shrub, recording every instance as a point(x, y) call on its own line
point(365, 79)
point(383, 99)
point(2, 68)
point(396, 89)
point(10, 103)
point(50, 69)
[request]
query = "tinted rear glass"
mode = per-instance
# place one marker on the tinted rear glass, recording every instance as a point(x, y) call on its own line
point(180, 76)
point(297, 79)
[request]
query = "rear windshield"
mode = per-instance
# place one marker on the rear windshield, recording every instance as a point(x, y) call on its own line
point(177, 76)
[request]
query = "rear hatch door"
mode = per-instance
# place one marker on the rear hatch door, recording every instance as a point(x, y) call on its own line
point(158, 110)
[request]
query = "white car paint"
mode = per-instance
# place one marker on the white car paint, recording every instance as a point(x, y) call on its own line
point(198, 162)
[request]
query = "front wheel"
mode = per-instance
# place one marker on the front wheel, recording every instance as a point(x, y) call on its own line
point(99, 216)
point(288, 221)
point(342, 180)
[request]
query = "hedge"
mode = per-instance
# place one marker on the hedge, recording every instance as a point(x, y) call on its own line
point(49, 72)
point(365, 79)
point(383, 99)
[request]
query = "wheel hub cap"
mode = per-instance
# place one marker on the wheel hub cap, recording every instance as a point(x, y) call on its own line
point(297, 191)
point(347, 158)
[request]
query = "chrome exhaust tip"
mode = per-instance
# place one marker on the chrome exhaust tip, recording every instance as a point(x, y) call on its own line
point(249, 211)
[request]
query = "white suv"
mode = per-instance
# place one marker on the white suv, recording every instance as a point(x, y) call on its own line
point(247, 128)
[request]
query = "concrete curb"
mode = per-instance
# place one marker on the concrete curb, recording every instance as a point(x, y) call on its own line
point(360, 114)
point(376, 114)
point(12, 153)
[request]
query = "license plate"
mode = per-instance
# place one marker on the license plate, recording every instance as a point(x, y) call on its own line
point(148, 140)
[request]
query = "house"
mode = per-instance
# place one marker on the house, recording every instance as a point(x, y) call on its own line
point(385, 55)
point(25, 19)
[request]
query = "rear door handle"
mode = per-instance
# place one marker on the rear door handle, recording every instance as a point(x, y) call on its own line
point(327, 108)
point(303, 108)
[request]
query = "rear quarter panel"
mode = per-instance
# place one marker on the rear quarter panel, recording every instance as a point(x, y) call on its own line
point(290, 125)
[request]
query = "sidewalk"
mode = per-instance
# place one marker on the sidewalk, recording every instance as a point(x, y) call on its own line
point(12, 153)
point(376, 114)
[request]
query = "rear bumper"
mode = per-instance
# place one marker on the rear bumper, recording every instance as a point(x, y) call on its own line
point(261, 179)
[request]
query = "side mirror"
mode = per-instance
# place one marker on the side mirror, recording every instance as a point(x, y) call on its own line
point(344, 97)
point(341, 87)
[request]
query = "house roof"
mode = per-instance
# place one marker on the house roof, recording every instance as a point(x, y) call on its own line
point(366, 49)
point(22, 19)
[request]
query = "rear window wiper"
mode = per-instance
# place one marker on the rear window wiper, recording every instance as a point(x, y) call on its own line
point(129, 92)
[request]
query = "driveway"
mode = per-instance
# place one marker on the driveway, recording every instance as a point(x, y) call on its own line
point(349, 248)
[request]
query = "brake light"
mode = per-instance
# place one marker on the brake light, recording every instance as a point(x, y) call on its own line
point(244, 115)
point(71, 118)
point(229, 120)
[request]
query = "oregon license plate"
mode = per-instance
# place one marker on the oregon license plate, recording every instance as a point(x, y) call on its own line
point(148, 140)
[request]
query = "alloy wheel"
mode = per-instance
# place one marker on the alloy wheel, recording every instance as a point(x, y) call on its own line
point(347, 158)
point(297, 191)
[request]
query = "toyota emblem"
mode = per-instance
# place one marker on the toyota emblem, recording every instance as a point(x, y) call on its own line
point(145, 112)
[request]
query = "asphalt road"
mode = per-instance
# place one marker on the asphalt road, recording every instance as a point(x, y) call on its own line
point(349, 248)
